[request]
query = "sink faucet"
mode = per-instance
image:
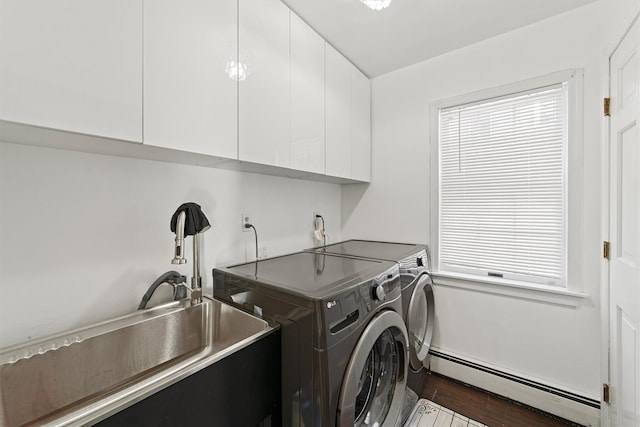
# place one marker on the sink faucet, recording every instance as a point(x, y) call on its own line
point(189, 220)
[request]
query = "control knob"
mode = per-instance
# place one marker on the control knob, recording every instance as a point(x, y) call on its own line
point(378, 292)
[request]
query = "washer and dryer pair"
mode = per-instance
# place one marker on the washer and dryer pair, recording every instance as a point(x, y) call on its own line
point(344, 342)
point(417, 293)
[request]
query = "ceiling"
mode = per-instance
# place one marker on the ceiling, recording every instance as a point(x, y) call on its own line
point(411, 31)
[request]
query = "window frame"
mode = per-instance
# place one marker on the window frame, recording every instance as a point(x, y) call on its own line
point(569, 290)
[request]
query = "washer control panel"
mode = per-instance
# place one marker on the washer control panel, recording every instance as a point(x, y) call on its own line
point(416, 263)
point(355, 306)
point(382, 289)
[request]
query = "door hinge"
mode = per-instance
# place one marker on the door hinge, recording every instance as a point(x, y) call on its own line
point(607, 106)
point(605, 249)
point(605, 393)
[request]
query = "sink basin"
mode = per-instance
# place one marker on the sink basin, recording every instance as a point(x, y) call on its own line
point(89, 373)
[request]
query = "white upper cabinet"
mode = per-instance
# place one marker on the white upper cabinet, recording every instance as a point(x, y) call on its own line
point(307, 97)
point(244, 80)
point(190, 86)
point(338, 113)
point(263, 120)
point(360, 126)
point(73, 65)
point(348, 119)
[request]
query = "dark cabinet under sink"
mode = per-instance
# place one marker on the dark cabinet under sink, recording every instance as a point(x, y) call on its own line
point(243, 389)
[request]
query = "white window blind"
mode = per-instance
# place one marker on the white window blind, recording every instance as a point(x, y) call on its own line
point(502, 186)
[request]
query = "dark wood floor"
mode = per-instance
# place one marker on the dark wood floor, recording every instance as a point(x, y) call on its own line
point(482, 406)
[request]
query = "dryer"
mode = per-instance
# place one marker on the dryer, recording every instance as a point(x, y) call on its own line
point(417, 293)
point(344, 343)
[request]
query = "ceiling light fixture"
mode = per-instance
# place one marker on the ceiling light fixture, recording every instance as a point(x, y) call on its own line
point(377, 4)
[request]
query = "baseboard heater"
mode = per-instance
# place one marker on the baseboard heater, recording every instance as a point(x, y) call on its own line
point(565, 404)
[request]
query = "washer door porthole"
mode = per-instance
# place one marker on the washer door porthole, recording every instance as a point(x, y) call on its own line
point(420, 322)
point(373, 389)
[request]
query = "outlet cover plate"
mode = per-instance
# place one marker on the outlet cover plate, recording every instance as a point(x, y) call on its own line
point(245, 219)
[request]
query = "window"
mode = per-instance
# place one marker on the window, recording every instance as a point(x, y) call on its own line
point(502, 175)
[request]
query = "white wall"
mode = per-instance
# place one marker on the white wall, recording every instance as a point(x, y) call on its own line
point(84, 235)
point(554, 344)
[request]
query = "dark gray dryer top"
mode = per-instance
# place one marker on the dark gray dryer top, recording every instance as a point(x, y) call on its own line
point(311, 275)
point(410, 256)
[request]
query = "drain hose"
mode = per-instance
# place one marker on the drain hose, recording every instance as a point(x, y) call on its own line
point(173, 278)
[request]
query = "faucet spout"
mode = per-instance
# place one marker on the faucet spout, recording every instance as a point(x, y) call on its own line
point(178, 254)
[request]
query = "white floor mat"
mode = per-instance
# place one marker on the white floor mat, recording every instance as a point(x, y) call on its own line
point(429, 414)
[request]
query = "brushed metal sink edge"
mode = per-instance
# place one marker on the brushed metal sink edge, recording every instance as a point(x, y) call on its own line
point(221, 341)
point(15, 353)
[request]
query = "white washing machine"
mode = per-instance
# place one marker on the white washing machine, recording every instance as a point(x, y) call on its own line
point(344, 344)
point(417, 293)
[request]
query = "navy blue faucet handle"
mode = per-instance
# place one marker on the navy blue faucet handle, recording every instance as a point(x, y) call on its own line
point(195, 220)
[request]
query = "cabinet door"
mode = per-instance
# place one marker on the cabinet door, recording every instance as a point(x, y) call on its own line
point(360, 126)
point(190, 92)
point(264, 94)
point(338, 113)
point(74, 65)
point(307, 97)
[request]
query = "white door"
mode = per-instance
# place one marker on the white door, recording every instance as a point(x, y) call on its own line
point(624, 229)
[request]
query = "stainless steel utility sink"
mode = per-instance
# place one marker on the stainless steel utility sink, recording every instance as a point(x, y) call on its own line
point(87, 374)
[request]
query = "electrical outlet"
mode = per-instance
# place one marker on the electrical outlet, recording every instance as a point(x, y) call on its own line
point(246, 219)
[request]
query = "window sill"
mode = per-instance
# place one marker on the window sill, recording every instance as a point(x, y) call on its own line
point(510, 288)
